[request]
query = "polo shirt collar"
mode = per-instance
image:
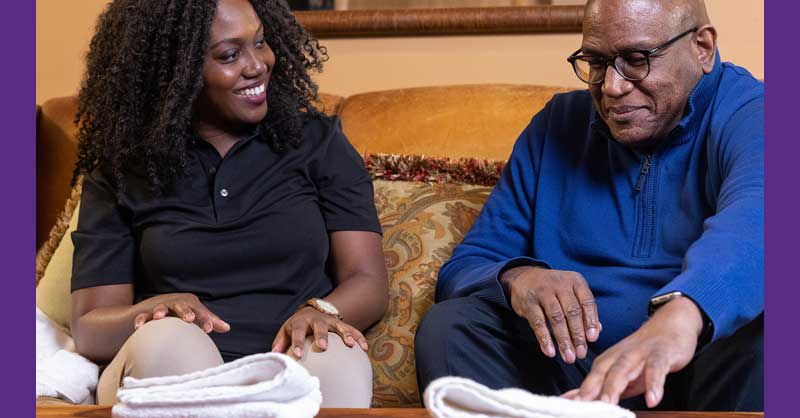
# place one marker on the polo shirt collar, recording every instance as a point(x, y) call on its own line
point(254, 133)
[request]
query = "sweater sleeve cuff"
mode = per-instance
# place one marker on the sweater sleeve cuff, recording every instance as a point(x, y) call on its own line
point(495, 292)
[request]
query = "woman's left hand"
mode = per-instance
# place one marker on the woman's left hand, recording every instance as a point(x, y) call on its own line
point(311, 321)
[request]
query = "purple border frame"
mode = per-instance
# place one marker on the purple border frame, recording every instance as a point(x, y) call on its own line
point(782, 206)
point(18, 170)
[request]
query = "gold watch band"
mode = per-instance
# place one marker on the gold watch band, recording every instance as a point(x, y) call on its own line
point(317, 304)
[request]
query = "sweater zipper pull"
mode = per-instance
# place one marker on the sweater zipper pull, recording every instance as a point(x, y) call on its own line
point(643, 172)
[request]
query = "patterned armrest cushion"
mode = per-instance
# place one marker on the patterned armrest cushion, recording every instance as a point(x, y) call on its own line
point(426, 206)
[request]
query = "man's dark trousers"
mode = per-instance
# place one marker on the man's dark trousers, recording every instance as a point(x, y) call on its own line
point(490, 344)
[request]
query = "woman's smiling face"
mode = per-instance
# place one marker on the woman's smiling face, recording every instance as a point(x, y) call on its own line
point(236, 69)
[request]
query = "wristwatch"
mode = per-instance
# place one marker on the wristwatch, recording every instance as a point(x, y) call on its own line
point(661, 300)
point(323, 306)
point(708, 327)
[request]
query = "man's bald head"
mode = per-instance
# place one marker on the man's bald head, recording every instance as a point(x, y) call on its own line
point(640, 113)
point(674, 14)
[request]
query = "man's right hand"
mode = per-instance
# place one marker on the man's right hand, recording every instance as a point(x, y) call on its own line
point(560, 298)
point(185, 306)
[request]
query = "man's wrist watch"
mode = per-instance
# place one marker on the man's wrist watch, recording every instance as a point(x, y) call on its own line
point(708, 327)
point(661, 300)
point(323, 306)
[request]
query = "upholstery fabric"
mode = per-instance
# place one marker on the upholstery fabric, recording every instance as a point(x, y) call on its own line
point(56, 153)
point(422, 223)
point(445, 121)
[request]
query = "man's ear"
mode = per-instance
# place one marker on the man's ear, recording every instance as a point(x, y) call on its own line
point(706, 44)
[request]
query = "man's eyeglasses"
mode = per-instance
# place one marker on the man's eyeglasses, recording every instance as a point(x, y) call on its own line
point(632, 65)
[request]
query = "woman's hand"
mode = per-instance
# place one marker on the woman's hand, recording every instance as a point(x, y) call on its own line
point(185, 306)
point(309, 320)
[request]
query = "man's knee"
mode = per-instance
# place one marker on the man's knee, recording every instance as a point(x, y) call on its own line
point(452, 320)
point(453, 335)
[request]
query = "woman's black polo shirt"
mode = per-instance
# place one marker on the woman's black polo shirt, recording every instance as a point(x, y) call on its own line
point(247, 234)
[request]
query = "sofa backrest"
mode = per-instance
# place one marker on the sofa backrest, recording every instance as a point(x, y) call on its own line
point(56, 153)
point(481, 121)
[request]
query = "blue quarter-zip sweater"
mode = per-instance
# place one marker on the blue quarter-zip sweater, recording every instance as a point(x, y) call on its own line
point(689, 217)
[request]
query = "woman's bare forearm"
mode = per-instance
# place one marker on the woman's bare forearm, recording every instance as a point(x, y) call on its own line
point(362, 289)
point(361, 300)
point(101, 332)
point(100, 329)
point(103, 319)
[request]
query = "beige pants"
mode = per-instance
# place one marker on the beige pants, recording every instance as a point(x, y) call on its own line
point(170, 346)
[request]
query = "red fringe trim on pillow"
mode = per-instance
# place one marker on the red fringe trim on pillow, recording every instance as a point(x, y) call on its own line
point(433, 170)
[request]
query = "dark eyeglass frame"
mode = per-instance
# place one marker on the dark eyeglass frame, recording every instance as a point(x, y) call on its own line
point(612, 59)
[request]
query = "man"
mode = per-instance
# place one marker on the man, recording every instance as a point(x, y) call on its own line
point(625, 234)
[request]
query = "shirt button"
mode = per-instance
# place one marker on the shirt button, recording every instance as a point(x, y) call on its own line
point(223, 192)
point(212, 170)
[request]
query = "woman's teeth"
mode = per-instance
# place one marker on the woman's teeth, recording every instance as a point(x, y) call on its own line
point(255, 91)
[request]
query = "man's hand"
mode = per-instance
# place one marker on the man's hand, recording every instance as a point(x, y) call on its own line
point(639, 364)
point(561, 298)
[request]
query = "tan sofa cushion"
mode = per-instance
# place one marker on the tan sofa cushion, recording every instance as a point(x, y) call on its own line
point(448, 121)
point(56, 153)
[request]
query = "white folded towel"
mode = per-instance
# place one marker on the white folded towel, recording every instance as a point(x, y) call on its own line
point(457, 397)
point(60, 372)
point(261, 385)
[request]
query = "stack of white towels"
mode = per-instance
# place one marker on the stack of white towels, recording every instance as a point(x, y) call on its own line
point(266, 385)
point(456, 397)
point(60, 372)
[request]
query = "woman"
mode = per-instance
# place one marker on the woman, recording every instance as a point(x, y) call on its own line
point(219, 206)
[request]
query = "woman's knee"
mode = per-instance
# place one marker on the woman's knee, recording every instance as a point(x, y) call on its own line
point(164, 347)
point(345, 373)
point(169, 346)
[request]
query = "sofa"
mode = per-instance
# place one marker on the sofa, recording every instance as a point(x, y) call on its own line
point(434, 154)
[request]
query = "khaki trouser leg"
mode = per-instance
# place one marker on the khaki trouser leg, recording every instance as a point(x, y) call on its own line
point(164, 347)
point(170, 346)
point(345, 373)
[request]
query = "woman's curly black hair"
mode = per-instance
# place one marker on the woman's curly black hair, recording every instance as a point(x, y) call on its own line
point(144, 73)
